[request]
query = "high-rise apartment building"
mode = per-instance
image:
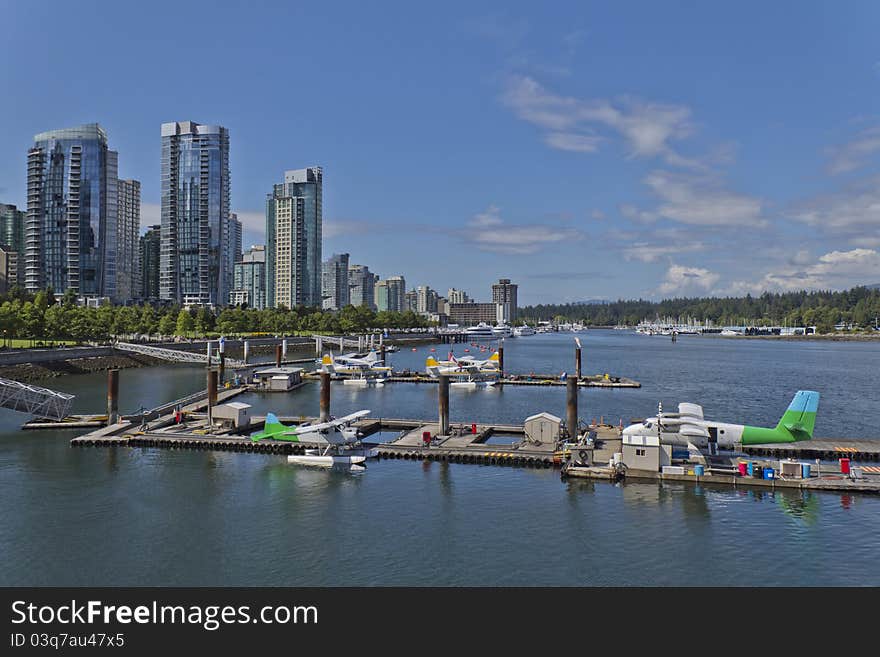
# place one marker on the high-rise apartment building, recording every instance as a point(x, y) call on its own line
point(250, 279)
point(12, 222)
point(335, 282)
point(70, 230)
point(149, 256)
point(457, 296)
point(426, 299)
point(294, 219)
point(504, 294)
point(128, 224)
point(232, 248)
point(195, 247)
point(390, 294)
point(411, 301)
point(362, 286)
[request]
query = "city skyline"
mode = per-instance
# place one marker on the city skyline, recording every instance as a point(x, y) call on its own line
point(650, 160)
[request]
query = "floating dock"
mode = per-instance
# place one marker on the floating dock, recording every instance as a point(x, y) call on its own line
point(597, 381)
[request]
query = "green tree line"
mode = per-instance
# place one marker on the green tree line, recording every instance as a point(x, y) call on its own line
point(41, 318)
point(859, 306)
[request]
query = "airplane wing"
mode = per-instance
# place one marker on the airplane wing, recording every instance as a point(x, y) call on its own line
point(348, 418)
point(691, 410)
point(693, 430)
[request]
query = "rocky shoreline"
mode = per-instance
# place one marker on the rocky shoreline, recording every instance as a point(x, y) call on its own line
point(34, 372)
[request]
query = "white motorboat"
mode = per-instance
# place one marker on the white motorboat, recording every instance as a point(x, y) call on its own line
point(502, 331)
point(525, 329)
point(481, 331)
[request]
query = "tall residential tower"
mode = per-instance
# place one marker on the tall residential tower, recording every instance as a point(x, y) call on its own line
point(128, 273)
point(70, 232)
point(195, 266)
point(293, 240)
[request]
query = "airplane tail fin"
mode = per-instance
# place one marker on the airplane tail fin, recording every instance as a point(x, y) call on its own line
point(327, 363)
point(800, 418)
point(272, 426)
point(431, 362)
point(372, 357)
point(494, 358)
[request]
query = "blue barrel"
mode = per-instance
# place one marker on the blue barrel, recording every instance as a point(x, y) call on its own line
point(805, 470)
point(751, 468)
point(768, 473)
point(698, 470)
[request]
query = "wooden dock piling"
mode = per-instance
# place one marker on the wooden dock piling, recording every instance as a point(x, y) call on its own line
point(112, 396)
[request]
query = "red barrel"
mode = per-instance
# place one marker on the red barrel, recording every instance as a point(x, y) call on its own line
point(844, 466)
point(474, 428)
point(743, 469)
point(426, 437)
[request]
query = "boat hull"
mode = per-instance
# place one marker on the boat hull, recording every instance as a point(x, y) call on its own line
point(327, 461)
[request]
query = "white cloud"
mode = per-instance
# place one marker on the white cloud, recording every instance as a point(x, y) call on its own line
point(854, 209)
point(569, 141)
point(697, 199)
point(833, 270)
point(855, 153)
point(647, 127)
point(687, 281)
point(495, 235)
point(652, 252)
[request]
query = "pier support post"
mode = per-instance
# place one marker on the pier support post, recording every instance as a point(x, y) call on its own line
point(319, 345)
point(443, 404)
point(382, 353)
point(360, 343)
point(577, 362)
point(325, 396)
point(222, 349)
point(571, 407)
point(212, 395)
point(284, 348)
point(277, 355)
point(112, 396)
point(208, 349)
point(501, 358)
point(246, 350)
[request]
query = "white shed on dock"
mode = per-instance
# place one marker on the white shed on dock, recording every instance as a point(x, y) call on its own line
point(278, 379)
point(236, 413)
point(543, 428)
point(645, 453)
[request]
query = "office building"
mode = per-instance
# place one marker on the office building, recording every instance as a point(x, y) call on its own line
point(149, 256)
point(128, 224)
point(504, 293)
point(249, 285)
point(70, 229)
point(335, 282)
point(293, 240)
point(469, 314)
point(195, 247)
point(362, 286)
point(411, 301)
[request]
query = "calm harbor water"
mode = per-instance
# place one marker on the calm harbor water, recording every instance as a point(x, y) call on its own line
point(154, 517)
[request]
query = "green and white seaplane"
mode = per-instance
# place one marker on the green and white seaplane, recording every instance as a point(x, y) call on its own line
point(338, 441)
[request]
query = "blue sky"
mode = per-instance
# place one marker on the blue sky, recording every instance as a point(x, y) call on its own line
point(585, 150)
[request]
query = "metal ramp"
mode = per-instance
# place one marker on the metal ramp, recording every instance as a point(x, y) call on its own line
point(174, 355)
point(359, 343)
point(37, 401)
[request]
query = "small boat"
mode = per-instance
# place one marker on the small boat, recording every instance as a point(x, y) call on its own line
point(525, 329)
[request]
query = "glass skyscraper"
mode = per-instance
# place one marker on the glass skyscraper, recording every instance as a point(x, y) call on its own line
point(70, 231)
point(335, 282)
point(194, 259)
point(128, 285)
point(293, 240)
point(149, 249)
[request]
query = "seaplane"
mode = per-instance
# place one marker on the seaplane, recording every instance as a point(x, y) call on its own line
point(370, 370)
point(688, 428)
point(468, 373)
point(339, 441)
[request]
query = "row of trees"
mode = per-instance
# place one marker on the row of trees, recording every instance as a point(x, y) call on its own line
point(40, 318)
point(859, 306)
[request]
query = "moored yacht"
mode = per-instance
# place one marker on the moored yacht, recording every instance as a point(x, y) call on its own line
point(481, 331)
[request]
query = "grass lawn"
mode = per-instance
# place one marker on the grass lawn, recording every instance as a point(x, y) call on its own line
point(24, 343)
